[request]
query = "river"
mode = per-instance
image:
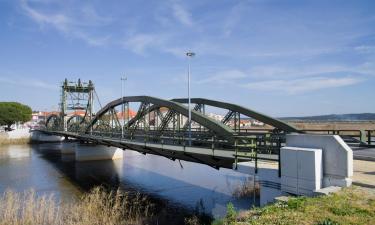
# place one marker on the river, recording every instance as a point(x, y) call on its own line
point(177, 188)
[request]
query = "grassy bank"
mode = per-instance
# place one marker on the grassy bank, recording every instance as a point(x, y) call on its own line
point(96, 207)
point(351, 206)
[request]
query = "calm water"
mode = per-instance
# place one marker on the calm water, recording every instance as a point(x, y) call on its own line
point(178, 189)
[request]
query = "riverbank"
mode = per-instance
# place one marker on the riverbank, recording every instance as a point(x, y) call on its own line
point(96, 207)
point(354, 205)
point(17, 141)
point(15, 137)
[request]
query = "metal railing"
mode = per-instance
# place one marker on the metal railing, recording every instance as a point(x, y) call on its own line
point(362, 137)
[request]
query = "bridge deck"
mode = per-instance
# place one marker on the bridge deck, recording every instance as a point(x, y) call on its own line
point(212, 157)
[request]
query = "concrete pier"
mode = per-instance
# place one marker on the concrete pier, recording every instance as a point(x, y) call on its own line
point(37, 136)
point(68, 147)
point(89, 152)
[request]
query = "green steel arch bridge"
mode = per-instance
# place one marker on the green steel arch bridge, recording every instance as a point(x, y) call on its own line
point(160, 127)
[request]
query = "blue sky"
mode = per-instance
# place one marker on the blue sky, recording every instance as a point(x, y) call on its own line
point(284, 58)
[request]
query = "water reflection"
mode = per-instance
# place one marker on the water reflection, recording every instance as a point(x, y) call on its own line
point(177, 188)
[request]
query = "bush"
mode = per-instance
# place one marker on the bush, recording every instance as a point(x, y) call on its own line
point(12, 112)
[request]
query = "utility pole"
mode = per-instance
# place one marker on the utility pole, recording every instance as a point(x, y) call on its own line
point(189, 55)
point(123, 79)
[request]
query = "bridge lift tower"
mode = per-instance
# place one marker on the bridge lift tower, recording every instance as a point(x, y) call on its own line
point(76, 96)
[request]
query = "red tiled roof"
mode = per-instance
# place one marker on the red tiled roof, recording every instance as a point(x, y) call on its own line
point(131, 114)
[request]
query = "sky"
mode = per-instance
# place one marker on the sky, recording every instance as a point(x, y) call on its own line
point(283, 58)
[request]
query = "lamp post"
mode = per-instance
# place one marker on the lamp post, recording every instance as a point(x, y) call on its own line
point(189, 55)
point(123, 79)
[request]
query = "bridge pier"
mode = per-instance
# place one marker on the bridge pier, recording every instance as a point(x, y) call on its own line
point(37, 136)
point(90, 152)
point(67, 147)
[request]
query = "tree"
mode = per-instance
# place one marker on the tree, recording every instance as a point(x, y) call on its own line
point(12, 112)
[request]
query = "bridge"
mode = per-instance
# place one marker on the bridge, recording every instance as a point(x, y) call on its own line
point(161, 127)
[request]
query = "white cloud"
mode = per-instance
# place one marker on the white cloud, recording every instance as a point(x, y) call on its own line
point(73, 26)
point(233, 18)
point(223, 77)
point(25, 82)
point(139, 43)
point(302, 85)
point(181, 14)
point(291, 71)
point(365, 49)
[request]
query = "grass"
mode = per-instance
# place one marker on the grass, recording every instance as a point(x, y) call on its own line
point(96, 207)
point(350, 206)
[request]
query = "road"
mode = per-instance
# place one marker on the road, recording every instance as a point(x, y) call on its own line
point(364, 153)
point(364, 173)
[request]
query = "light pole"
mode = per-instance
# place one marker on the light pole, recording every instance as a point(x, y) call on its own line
point(123, 79)
point(189, 55)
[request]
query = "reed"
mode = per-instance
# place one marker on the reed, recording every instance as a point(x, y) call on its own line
point(96, 207)
point(4, 140)
point(246, 189)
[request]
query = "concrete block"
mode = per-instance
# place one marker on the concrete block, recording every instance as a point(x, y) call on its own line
point(301, 170)
point(289, 184)
point(337, 156)
point(88, 152)
point(310, 165)
point(289, 163)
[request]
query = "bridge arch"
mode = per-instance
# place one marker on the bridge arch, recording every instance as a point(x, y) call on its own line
point(242, 110)
point(217, 128)
point(53, 121)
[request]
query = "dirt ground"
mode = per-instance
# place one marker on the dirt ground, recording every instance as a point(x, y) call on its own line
point(367, 125)
point(364, 173)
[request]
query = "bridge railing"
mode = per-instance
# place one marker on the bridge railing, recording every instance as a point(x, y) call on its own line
point(351, 136)
point(370, 137)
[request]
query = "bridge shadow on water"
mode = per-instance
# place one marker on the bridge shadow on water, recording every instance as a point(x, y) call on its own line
point(176, 189)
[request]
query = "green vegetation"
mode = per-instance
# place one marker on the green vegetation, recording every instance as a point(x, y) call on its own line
point(351, 206)
point(96, 207)
point(12, 112)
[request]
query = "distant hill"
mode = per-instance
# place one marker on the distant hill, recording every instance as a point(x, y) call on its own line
point(334, 117)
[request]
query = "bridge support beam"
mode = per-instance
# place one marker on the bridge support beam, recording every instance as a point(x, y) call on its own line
point(90, 152)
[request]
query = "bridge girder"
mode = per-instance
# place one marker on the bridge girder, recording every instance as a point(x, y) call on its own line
point(242, 110)
point(157, 103)
point(56, 119)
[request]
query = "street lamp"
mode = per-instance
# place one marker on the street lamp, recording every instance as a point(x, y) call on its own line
point(189, 55)
point(123, 79)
